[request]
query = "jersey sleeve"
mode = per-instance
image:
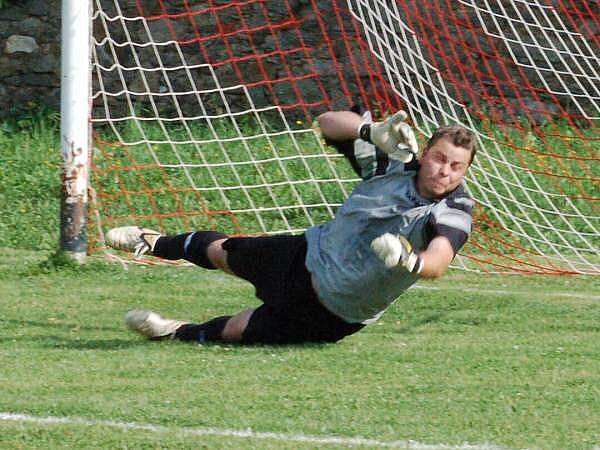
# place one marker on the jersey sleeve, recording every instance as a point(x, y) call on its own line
point(454, 219)
point(366, 159)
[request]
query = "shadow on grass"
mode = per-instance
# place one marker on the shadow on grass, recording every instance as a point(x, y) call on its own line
point(411, 326)
point(18, 324)
point(91, 344)
point(76, 343)
point(74, 337)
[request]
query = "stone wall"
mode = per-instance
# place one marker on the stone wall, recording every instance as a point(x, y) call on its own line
point(29, 56)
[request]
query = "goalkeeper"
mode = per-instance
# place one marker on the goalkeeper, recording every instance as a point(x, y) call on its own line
point(406, 220)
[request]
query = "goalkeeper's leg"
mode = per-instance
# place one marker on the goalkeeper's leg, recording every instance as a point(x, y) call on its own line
point(202, 248)
point(155, 327)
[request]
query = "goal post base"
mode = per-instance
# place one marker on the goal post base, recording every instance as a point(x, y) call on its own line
point(73, 235)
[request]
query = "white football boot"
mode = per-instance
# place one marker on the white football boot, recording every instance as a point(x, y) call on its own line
point(151, 325)
point(133, 239)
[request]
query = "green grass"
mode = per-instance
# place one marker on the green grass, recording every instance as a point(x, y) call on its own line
point(504, 360)
point(30, 182)
point(548, 156)
point(518, 368)
point(161, 196)
point(226, 176)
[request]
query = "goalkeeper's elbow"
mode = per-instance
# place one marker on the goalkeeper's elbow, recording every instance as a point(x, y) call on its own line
point(431, 271)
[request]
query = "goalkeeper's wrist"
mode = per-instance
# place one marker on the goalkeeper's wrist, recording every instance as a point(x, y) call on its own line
point(364, 132)
point(418, 266)
point(414, 264)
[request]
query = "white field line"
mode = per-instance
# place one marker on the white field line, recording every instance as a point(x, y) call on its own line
point(284, 437)
point(538, 293)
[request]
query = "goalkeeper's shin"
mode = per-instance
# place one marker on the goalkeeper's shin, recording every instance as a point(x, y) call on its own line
point(192, 247)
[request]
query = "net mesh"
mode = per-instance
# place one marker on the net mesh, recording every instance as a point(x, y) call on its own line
point(203, 114)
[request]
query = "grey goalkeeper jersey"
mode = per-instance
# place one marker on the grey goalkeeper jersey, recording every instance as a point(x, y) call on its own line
point(350, 280)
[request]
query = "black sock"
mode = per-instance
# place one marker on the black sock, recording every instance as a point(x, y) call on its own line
point(170, 247)
point(205, 332)
point(189, 246)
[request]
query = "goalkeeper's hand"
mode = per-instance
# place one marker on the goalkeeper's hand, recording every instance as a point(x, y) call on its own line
point(393, 136)
point(394, 250)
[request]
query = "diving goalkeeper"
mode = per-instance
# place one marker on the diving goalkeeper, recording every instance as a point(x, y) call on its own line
point(407, 219)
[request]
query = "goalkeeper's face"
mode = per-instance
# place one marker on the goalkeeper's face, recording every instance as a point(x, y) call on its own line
point(443, 167)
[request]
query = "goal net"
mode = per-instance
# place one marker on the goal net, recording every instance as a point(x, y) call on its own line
point(203, 114)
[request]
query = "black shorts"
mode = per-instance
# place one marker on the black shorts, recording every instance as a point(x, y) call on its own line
point(291, 312)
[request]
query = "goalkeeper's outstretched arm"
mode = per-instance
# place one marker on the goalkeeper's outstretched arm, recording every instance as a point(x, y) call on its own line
point(340, 136)
point(340, 125)
point(392, 136)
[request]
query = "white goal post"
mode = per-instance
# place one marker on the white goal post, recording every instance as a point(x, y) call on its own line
point(75, 125)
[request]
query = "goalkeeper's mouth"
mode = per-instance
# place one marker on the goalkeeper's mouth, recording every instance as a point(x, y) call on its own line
point(438, 186)
point(440, 189)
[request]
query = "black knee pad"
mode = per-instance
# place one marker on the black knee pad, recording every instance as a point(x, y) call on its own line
point(196, 247)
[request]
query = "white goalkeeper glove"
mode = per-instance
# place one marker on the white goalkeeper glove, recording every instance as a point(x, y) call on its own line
point(394, 250)
point(393, 136)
